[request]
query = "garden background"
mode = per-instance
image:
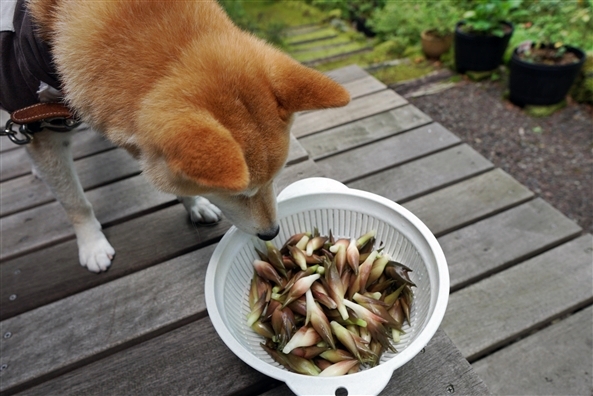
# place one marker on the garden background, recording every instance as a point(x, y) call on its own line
point(547, 148)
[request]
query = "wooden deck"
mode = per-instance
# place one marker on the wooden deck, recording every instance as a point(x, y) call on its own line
point(519, 316)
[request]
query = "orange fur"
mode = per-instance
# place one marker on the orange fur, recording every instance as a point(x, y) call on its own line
point(204, 106)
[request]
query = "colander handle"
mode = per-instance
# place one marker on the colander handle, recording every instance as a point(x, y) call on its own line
point(304, 186)
point(359, 384)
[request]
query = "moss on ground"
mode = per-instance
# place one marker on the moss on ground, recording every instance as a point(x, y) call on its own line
point(305, 23)
point(315, 34)
point(403, 72)
point(289, 13)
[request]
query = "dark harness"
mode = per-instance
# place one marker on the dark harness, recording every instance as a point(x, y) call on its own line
point(25, 63)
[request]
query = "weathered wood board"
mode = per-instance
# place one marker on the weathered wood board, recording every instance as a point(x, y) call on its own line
point(364, 86)
point(316, 121)
point(468, 201)
point(45, 276)
point(296, 172)
point(417, 376)
point(508, 305)
point(382, 154)
point(47, 224)
point(185, 352)
point(190, 360)
point(28, 191)
point(367, 130)
point(554, 361)
point(142, 327)
point(139, 305)
point(347, 74)
point(15, 163)
point(296, 152)
point(496, 243)
point(422, 176)
point(134, 251)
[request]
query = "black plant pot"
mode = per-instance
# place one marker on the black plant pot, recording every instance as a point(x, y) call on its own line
point(361, 25)
point(475, 52)
point(538, 84)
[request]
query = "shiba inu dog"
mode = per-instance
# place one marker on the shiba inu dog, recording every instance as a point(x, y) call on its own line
point(205, 107)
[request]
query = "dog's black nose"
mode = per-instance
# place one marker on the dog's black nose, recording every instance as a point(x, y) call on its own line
point(269, 234)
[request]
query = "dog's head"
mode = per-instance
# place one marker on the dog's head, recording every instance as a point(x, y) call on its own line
point(218, 125)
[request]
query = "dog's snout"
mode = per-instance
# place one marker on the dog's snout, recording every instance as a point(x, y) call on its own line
point(270, 234)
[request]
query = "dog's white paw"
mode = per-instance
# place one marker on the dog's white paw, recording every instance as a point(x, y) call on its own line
point(95, 253)
point(201, 210)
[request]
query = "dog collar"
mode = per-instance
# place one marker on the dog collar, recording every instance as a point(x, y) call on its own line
point(56, 117)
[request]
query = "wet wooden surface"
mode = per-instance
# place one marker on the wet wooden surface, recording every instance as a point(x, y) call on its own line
point(520, 270)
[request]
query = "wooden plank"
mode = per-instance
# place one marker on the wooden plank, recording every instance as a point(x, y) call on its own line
point(382, 154)
point(296, 172)
point(316, 121)
point(468, 201)
point(554, 361)
point(498, 242)
point(45, 276)
point(491, 313)
point(347, 74)
point(357, 88)
point(415, 178)
point(85, 142)
point(56, 336)
point(34, 284)
point(364, 86)
point(296, 152)
point(47, 224)
point(367, 130)
point(440, 369)
point(191, 360)
point(187, 353)
point(29, 191)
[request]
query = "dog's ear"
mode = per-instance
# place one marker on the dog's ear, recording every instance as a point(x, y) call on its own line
point(207, 154)
point(299, 88)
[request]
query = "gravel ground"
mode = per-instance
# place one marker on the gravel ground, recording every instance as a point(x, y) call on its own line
point(552, 156)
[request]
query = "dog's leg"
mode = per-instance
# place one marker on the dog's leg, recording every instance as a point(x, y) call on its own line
point(52, 162)
point(201, 210)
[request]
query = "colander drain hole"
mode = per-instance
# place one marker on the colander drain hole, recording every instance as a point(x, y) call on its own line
point(341, 392)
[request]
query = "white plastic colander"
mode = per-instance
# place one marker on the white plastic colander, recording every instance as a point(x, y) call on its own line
point(329, 205)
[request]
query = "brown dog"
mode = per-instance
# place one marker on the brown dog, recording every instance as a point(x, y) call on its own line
point(205, 107)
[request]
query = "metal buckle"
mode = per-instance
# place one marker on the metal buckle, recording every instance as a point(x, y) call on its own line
point(13, 135)
point(59, 124)
point(53, 124)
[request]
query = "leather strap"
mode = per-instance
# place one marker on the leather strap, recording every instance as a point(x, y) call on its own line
point(39, 112)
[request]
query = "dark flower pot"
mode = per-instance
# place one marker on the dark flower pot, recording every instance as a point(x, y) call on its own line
point(361, 25)
point(540, 84)
point(476, 52)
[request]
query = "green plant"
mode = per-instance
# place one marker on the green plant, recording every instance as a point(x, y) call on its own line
point(273, 31)
point(398, 21)
point(350, 9)
point(438, 18)
point(486, 16)
point(558, 22)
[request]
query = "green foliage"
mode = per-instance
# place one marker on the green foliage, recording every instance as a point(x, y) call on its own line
point(582, 90)
point(402, 22)
point(556, 22)
point(439, 17)
point(399, 21)
point(485, 16)
point(269, 19)
point(350, 9)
